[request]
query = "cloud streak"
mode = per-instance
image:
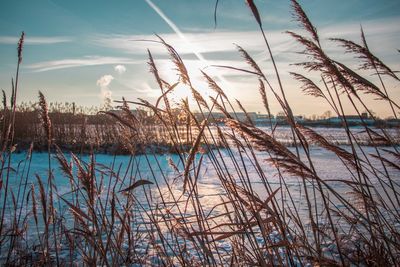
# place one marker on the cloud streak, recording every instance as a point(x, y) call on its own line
point(79, 62)
point(35, 40)
point(194, 49)
point(222, 41)
point(218, 47)
point(175, 28)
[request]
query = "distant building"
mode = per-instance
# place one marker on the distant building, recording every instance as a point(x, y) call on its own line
point(264, 119)
point(364, 115)
point(281, 116)
point(264, 116)
point(299, 118)
point(213, 117)
point(352, 119)
point(135, 112)
point(218, 115)
point(241, 116)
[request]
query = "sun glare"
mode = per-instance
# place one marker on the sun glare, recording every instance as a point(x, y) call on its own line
point(169, 73)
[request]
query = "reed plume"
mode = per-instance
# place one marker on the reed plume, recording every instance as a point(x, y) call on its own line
point(263, 93)
point(153, 69)
point(199, 98)
point(301, 16)
point(20, 47)
point(370, 61)
point(220, 108)
point(359, 82)
point(213, 85)
point(283, 158)
point(255, 12)
point(249, 60)
point(4, 100)
point(249, 120)
point(44, 115)
point(178, 62)
point(321, 141)
point(308, 86)
point(321, 62)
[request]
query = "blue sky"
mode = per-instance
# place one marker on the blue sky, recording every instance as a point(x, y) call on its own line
point(81, 51)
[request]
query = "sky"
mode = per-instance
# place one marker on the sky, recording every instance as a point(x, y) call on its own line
point(84, 51)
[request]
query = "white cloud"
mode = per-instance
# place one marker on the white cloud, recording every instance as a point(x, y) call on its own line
point(120, 69)
point(35, 40)
point(103, 82)
point(79, 62)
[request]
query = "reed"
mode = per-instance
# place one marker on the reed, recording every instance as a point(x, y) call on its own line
point(271, 204)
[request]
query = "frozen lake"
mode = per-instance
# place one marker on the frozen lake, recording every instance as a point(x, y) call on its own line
point(165, 172)
point(156, 168)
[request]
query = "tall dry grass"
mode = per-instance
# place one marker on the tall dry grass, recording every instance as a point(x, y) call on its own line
point(147, 214)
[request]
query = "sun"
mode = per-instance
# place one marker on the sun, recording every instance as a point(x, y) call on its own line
point(168, 72)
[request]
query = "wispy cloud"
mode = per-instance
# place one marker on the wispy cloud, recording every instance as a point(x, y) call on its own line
point(147, 90)
point(35, 40)
point(218, 48)
point(194, 49)
point(79, 62)
point(222, 41)
point(177, 31)
point(204, 42)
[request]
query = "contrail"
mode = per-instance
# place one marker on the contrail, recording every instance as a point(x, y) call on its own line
point(182, 36)
point(174, 28)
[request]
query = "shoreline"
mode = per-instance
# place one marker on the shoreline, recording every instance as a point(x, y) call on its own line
point(120, 150)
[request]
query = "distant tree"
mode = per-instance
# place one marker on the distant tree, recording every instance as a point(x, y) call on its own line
point(326, 115)
point(107, 104)
point(313, 117)
point(373, 114)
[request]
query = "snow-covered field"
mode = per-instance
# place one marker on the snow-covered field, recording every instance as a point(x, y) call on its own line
point(156, 168)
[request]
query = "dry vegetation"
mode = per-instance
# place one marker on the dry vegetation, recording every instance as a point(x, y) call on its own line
point(84, 130)
point(112, 217)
